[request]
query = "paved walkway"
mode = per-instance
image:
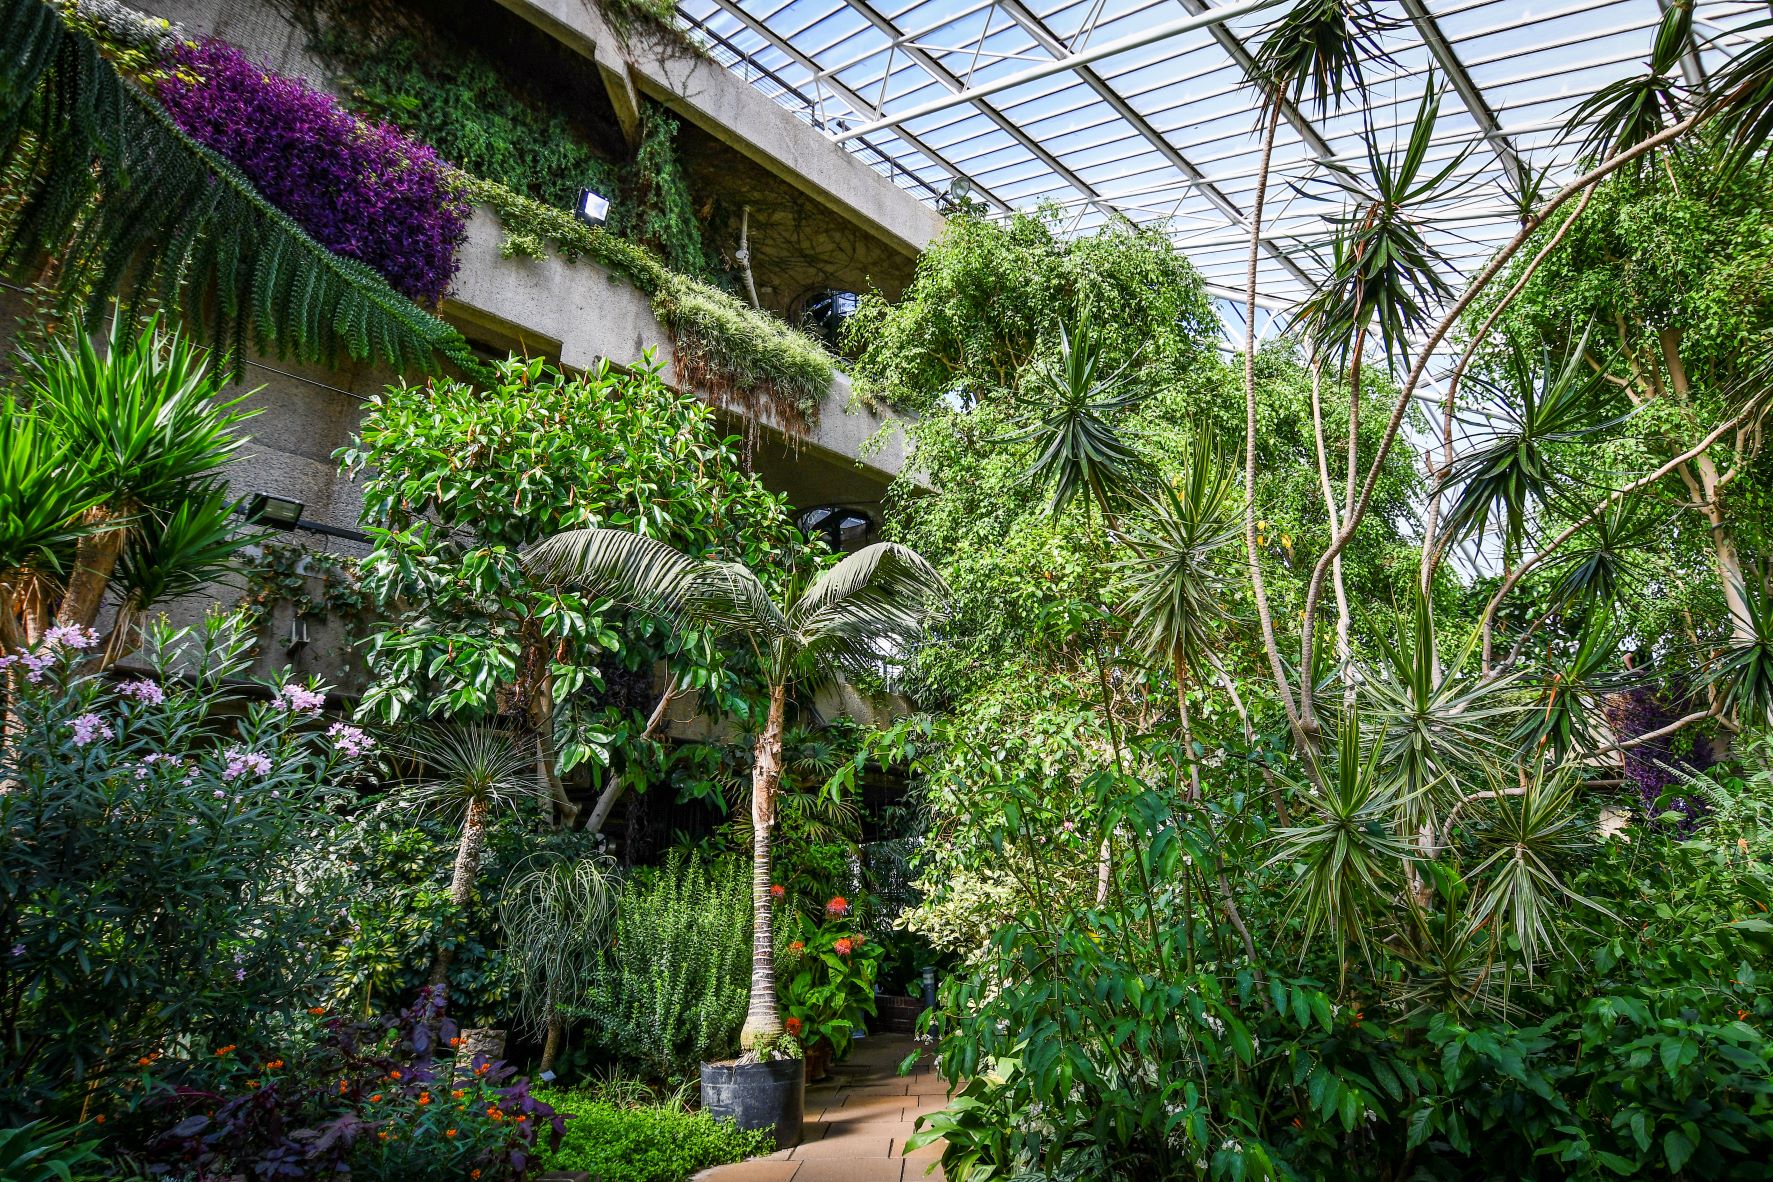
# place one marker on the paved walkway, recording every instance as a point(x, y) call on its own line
point(856, 1123)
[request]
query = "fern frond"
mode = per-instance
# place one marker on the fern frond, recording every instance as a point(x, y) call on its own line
point(124, 204)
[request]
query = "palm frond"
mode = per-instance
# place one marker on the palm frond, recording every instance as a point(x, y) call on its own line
point(131, 206)
point(1741, 95)
point(176, 550)
point(41, 493)
point(648, 575)
point(1627, 112)
point(1743, 672)
point(468, 764)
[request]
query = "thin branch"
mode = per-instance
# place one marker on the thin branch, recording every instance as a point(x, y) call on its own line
point(1532, 562)
point(1314, 590)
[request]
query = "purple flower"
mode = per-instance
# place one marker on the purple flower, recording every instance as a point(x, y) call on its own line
point(38, 663)
point(241, 761)
point(143, 691)
point(71, 636)
point(89, 727)
point(240, 974)
point(298, 699)
point(18, 950)
point(362, 190)
point(351, 740)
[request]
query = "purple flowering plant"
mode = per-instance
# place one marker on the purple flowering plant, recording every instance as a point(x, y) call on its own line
point(166, 870)
point(362, 190)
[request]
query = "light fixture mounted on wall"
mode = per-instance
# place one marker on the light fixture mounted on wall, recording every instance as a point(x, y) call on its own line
point(276, 512)
point(592, 208)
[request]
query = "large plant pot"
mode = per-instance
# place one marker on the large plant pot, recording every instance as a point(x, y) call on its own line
point(768, 1095)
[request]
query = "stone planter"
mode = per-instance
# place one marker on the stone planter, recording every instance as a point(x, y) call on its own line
point(768, 1095)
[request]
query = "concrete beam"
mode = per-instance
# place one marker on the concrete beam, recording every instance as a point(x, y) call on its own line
point(618, 82)
point(720, 103)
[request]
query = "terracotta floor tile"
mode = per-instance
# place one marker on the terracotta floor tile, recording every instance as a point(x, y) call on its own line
point(849, 1145)
point(851, 1170)
point(756, 1170)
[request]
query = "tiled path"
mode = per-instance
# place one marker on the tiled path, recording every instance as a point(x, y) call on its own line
point(856, 1123)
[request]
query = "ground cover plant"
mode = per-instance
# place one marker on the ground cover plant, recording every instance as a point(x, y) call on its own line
point(638, 1137)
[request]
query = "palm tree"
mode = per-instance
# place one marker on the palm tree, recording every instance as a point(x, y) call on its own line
point(864, 612)
point(471, 770)
point(557, 913)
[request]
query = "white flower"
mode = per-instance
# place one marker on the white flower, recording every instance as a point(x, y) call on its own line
point(89, 727)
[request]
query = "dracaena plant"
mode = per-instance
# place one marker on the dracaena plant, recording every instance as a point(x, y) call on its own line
point(123, 439)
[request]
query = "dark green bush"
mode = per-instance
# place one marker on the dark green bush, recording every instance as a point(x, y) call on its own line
point(647, 1143)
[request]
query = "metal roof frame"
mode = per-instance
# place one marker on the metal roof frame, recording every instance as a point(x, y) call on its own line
point(1140, 109)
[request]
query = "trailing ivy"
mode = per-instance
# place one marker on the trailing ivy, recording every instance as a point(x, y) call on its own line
point(102, 183)
point(719, 342)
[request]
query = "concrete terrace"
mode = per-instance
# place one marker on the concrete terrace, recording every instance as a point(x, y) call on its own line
point(857, 1122)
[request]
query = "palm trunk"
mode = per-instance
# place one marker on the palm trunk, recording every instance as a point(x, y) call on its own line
point(556, 1038)
point(763, 1022)
point(461, 886)
point(95, 557)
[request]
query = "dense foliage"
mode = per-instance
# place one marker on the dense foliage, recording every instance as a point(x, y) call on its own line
point(361, 190)
point(129, 205)
point(641, 1142)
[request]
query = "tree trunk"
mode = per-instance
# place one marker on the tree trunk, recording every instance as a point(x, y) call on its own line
point(461, 886)
point(554, 1041)
point(618, 785)
point(762, 1019)
point(1187, 727)
point(95, 557)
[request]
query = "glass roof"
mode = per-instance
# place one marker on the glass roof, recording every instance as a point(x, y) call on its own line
point(1140, 109)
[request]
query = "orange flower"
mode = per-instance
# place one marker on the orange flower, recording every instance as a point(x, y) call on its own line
point(394, 1074)
point(1742, 1014)
point(457, 1094)
point(473, 1173)
point(229, 1049)
point(455, 1041)
point(449, 1132)
point(424, 1098)
point(317, 1011)
point(383, 1135)
point(521, 1117)
point(376, 1099)
point(252, 1083)
point(273, 1064)
point(143, 1061)
point(343, 1087)
point(481, 1070)
point(495, 1113)
point(99, 1119)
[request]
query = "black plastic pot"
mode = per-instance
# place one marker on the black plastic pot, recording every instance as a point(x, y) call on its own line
point(768, 1095)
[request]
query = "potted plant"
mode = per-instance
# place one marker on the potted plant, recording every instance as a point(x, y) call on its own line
point(810, 627)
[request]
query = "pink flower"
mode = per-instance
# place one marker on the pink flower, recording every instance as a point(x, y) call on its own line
point(843, 947)
point(143, 691)
point(89, 727)
point(351, 740)
point(838, 906)
point(241, 761)
point(71, 635)
point(298, 699)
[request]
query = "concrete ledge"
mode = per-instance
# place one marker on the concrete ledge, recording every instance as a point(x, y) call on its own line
point(588, 313)
point(722, 104)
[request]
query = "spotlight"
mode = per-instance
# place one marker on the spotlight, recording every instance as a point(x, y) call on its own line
point(591, 208)
point(276, 512)
point(960, 188)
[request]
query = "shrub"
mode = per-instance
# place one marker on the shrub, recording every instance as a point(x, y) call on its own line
point(37, 1153)
point(377, 1099)
point(671, 990)
point(158, 885)
point(645, 1143)
point(362, 190)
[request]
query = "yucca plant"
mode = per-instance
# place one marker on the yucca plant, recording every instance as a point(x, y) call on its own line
point(1080, 440)
point(1345, 844)
point(469, 771)
point(1743, 672)
point(43, 499)
point(143, 416)
point(1535, 407)
point(1565, 720)
point(1627, 112)
point(867, 610)
point(1175, 594)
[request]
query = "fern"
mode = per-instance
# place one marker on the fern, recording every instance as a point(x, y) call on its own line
point(106, 197)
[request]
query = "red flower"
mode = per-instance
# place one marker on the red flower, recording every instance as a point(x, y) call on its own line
point(843, 947)
point(793, 1026)
point(797, 946)
point(838, 906)
point(778, 892)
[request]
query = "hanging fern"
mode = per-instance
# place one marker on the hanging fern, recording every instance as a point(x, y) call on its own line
point(106, 196)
